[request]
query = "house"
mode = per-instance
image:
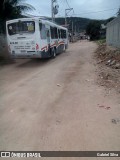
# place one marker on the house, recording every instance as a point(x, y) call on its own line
point(103, 31)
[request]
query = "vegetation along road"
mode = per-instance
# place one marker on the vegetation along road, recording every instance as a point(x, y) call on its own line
point(56, 104)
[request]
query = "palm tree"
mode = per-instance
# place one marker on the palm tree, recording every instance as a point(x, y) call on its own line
point(11, 9)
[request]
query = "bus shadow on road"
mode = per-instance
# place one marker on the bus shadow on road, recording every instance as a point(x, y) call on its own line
point(34, 63)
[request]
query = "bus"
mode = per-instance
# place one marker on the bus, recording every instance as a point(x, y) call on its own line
point(35, 38)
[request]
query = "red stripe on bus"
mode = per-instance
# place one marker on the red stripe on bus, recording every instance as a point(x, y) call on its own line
point(53, 45)
point(60, 43)
point(44, 48)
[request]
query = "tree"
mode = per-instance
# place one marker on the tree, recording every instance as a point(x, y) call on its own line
point(118, 13)
point(11, 9)
point(93, 29)
point(110, 19)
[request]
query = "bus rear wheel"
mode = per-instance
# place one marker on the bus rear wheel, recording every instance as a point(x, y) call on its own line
point(64, 49)
point(53, 53)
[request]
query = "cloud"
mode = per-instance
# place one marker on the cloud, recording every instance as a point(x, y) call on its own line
point(43, 7)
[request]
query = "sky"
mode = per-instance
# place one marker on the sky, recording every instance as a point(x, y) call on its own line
point(93, 9)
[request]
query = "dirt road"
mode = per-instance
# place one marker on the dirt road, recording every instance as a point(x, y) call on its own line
point(57, 105)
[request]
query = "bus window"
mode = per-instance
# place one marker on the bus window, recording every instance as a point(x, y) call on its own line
point(62, 36)
point(56, 33)
point(42, 30)
point(59, 33)
point(65, 34)
point(52, 32)
point(21, 27)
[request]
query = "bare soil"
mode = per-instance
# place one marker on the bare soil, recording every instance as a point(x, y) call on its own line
point(107, 59)
point(57, 105)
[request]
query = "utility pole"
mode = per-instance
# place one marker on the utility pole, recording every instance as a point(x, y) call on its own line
point(75, 28)
point(54, 9)
point(66, 13)
point(72, 30)
point(65, 18)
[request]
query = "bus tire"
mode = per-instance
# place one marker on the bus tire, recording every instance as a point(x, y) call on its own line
point(53, 52)
point(64, 49)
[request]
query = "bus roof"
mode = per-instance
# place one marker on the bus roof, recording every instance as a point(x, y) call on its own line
point(38, 19)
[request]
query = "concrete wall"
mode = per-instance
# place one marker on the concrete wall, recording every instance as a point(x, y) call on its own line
point(3, 47)
point(113, 33)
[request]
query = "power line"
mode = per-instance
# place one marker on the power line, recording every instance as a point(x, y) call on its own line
point(96, 11)
point(61, 6)
point(68, 3)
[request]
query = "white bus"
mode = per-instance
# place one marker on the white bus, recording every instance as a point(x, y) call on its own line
point(35, 38)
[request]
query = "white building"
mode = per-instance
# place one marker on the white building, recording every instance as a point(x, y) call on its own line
point(113, 32)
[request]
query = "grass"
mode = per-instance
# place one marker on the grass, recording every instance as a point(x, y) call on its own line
point(101, 41)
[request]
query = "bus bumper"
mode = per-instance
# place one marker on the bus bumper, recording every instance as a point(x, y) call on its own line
point(26, 55)
point(40, 54)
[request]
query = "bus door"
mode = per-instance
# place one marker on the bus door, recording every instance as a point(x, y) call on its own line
point(43, 35)
point(48, 33)
point(48, 36)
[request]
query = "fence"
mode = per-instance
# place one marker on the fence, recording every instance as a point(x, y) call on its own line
point(113, 32)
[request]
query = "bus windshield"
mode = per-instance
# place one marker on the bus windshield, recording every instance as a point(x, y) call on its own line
point(21, 27)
